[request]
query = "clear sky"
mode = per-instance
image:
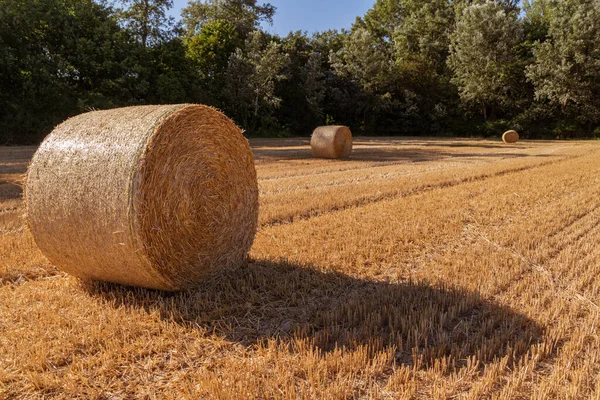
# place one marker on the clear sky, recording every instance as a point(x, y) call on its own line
point(307, 15)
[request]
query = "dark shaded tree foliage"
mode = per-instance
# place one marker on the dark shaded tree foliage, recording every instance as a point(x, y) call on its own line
point(57, 58)
point(484, 58)
point(209, 50)
point(407, 67)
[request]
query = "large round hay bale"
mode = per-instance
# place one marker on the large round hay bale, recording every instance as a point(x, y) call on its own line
point(510, 137)
point(331, 142)
point(150, 196)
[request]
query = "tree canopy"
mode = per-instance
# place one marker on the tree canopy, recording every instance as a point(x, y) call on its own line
point(406, 67)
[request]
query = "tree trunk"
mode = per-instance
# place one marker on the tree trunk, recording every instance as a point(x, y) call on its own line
point(145, 23)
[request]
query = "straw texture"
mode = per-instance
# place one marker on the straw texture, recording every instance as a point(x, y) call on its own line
point(331, 142)
point(151, 196)
point(510, 137)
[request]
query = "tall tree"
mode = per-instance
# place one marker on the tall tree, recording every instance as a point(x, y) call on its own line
point(173, 76)
point(365, 64)
point(250, 86)
point(312, 77)
point(431, 18)
point(303, 91)
point(148, 19)
point(244, 15)
point(418, 33)
point(384, 18)
point(483, 56)
point(210, 51)
point(566, 71)
point(364, 60)
point(425, 32)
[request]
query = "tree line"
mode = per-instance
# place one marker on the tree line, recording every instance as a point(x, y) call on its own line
point(407, 67)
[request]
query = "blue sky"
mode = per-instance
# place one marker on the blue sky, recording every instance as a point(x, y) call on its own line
point(307, 15)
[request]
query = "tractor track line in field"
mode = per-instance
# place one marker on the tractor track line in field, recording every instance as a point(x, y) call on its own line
point(574, 221)
point(406, 161)
point(541, 269)
point(356, 168)
point(374, 177)
point(363, 168)
point(538, 267)
point(313, 213)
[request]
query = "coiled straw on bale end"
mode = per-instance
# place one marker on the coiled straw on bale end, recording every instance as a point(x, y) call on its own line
point(331, 142)
point(151, 196)
point(510, 137)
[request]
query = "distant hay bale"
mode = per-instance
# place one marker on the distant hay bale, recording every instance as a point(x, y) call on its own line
point(331, 142)
point(510, 137)
point(150, 196)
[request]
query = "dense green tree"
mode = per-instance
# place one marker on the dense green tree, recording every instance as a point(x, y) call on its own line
point(364, 60)
point(302, 92)
point(326, 42)
point(425, 32)
point(396, 57)
point(148, 20)
point(510, 6)
point(537, 15)
point(421, 47)
point(57, 58)
point(313, 84)
point(424, 25)
point(406, 67)
point(244, 15)
point(252, 74)
point(417, 34)
point(367, 65)
point(173, 76)
point(210, 51)
point(384, 18)
point(484, 57)
point(566, 70)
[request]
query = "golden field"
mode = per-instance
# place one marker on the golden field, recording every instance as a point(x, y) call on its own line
point(419, 268)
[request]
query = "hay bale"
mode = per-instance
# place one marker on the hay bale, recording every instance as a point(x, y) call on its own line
point(151, 196)
point(331, 142)
point(510, 137)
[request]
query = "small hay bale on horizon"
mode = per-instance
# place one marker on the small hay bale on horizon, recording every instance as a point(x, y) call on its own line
point(331, 142)
point(510, 137)
point(149, 196)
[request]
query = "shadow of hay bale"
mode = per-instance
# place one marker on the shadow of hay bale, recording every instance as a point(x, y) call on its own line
point(285, 302)
point(10, 190)
point(471, 145)
point(383, 154)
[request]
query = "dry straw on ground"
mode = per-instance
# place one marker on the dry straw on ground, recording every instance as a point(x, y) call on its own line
point(151, 196)
point(362, 287)
point(510, 137)
point(331, 142)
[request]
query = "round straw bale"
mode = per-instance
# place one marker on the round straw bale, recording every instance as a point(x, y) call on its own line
point(150, 196)
point(331, 142)
point(510, 137)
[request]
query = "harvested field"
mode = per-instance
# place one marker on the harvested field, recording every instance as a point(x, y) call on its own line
point(418, 268)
